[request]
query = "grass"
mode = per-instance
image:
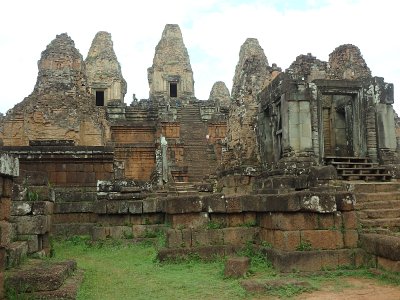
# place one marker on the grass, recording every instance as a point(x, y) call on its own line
point(121, 270)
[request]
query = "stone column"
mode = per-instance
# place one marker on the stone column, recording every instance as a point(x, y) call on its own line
point(164, 145)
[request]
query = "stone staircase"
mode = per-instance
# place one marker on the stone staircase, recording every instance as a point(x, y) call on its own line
point(378, 210)
point(378, 206)
point(199, 156)
point(358, 168)
point(40, 279)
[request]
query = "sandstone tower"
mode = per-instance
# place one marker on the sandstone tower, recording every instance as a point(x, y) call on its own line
point(250, 74)
point(104, 71)
point(60, 106)
point(220, 94)
point(171, 74)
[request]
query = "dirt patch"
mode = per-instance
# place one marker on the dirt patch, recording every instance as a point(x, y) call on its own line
point(354, 289)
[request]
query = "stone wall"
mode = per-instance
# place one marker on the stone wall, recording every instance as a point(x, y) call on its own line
point(9, 168)
point(55, 173)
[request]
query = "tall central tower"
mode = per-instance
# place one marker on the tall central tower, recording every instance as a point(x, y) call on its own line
point(171, 74)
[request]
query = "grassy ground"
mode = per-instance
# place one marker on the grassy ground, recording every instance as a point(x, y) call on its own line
point(130, 271)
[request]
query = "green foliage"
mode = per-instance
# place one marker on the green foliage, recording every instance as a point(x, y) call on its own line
point(258, 260)
point(214, 225)
point(266, 245)
point(249, 224)
point(161, 239)
point(304, 246)
point(288, 290)
point(12, 294)
point(127, 235)
point(32, 195)
point(149, 234)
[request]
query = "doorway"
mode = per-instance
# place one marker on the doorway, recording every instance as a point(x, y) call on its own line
point(337, 123)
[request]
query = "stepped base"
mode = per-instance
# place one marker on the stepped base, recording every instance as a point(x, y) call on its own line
point(316, 260)
point(68, 291)
point(39, 276)
point(204, 252)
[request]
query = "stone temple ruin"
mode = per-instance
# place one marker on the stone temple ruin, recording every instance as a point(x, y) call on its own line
point(306, 156)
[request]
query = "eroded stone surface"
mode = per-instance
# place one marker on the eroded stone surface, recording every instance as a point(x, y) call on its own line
point(346, 62)
point(103, 69)
point(220, 94)
point(171, 65)
point(60, 107)
point(250, 74)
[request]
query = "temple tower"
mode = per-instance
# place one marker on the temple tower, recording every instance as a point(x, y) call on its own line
point(104, 71)
point(171, 74)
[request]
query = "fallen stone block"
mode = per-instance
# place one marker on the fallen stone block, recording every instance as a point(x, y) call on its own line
point(236, 267)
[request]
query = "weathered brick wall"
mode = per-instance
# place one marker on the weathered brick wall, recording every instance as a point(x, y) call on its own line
point(8, 170)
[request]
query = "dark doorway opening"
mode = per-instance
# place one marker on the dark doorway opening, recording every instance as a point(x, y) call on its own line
point(99, 98)
point(173, 89)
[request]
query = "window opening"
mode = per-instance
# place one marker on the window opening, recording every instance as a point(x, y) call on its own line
point(99, 98)
point(173, 89)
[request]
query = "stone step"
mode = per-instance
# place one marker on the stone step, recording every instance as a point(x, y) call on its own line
point(380, 196)
point(39, 275)
point(381, 231)
point(379, 214)
point(68, 291)
point(385, 204)
point(392, 223)
point(375, 187)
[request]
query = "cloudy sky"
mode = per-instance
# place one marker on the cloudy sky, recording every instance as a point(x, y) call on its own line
point(213, 31)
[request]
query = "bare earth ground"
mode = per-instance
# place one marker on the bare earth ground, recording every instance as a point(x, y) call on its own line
point(354, 289)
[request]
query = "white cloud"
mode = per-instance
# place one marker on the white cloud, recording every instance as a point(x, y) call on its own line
point(213, 32)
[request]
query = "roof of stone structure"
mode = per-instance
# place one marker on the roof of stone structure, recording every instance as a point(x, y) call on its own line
point(220, 93)
point(346, 62)
point(171, 50)
point(306, 65)
point(102, 65)
point(61, 68)
point(251, 69)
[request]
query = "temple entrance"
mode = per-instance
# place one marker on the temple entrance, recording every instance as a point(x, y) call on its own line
point(337, 122)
